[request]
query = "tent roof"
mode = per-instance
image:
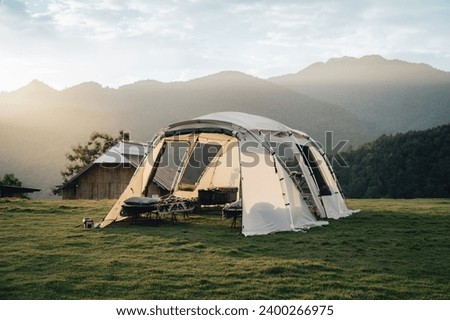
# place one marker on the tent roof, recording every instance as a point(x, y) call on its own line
point(232, 121)
point(247, 121)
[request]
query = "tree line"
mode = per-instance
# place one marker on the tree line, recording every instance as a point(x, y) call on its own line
point(415, 164)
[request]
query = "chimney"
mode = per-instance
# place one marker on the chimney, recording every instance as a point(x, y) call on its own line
point(126, 136)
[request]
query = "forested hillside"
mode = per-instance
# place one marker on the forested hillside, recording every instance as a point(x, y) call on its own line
point(408, 165)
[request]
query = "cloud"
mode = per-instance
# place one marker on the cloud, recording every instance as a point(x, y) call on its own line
point(110, 41)
point(14, 7)
point(109, 19)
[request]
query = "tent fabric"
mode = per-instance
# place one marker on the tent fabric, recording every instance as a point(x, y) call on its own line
point(283, 179)
point(248, 121)
point(264, 209)
point(134, 188)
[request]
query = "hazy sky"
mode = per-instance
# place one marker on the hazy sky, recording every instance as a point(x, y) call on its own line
point(66, 42)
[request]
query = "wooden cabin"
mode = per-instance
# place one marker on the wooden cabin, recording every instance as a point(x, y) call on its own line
point(106, 177)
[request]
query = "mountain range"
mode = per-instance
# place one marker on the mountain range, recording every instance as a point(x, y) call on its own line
point(394, 95)
point(357, 99)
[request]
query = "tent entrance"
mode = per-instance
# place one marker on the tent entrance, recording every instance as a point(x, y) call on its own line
point(299, 165)
point(194, 162)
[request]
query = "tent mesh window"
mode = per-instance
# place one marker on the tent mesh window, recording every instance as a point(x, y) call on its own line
point(314, 165)
point(171, 161)
point(200, 158)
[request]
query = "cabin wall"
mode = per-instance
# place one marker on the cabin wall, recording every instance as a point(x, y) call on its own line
point(69, 193)
point(100, 182)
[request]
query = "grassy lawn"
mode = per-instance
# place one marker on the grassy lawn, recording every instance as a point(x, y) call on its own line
point(393, 249)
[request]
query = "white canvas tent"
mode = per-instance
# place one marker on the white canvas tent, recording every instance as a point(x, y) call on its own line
point(284, 181)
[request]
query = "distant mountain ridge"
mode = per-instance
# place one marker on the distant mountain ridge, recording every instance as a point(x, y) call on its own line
point(370, 69)
point(395, 95)
point(357, 99)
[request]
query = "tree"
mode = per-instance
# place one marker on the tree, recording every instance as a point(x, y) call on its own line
point(83, 155)
point(10, 180)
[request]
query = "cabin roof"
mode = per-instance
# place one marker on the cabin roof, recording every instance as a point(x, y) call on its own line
point(6, 191)
point(124, 153)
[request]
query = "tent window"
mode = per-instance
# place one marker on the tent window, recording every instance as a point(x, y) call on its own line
point(312, 162)
point(171, 160)
point(201, 157)
point(291, 159)
point(288, 156)
point(174, 154)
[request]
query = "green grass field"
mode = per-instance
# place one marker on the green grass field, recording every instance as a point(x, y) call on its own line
point(393, 249)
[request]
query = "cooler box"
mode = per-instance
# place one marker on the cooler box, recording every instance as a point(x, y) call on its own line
point(217, 196)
